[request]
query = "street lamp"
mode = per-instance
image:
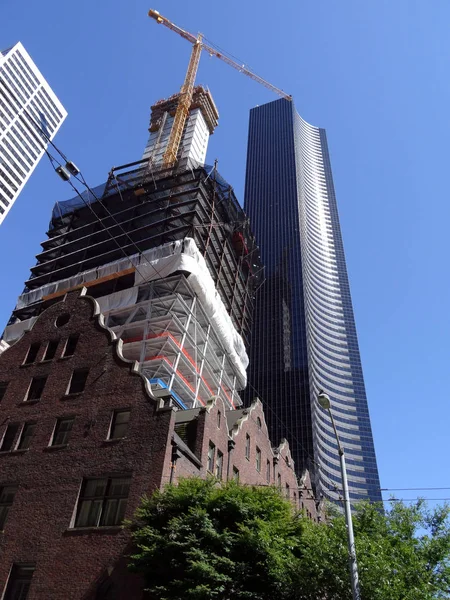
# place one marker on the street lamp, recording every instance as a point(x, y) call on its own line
point(324, 401)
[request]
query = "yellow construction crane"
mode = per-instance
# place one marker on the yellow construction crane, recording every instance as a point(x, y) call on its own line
point(187, 89)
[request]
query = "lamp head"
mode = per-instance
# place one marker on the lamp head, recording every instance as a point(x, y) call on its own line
point(324, 400)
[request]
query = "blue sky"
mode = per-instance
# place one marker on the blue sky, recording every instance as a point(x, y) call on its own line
point(373, 74)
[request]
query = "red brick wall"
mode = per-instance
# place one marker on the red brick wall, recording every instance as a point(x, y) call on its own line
point(38, 526)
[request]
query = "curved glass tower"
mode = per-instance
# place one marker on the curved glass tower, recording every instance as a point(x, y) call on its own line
point(304, 336)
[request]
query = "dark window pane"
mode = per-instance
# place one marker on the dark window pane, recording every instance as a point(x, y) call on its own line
point(3, 386)
point(27, 434)
point(7, 493)
point(71, 344)
point(19, 582)
point(62, 431)
point(211, 452)
point(219, 465)
point(247, 447)
point(51, 350)
point(78, 381)
point(119, 426)
point(32, 353)
point(9, 437)
point(102, 502)
point(36, 388)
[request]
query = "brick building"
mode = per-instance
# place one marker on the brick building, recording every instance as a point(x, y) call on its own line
point(82, 439)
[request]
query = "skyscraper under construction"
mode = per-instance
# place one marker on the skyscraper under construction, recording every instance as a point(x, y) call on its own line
point(168, 255)
point(304, 337)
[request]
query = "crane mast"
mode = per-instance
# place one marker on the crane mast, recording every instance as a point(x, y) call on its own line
point(187, 89)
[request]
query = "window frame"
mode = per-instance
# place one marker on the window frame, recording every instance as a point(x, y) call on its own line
point(17, 577)
point(258, 459)
point(268, 471)
point(211, 457)
point(219, 465)
point(235, 474)
point(247, 446)
point(104, 499)
point(113, 424)
point(33, 351)
point(72, 339)
point(33, 382)
point(56, 431)
point(81, 383)
point(5, 504)
point(16, 426)
point(24, 435)
point(50, 344)
point(3, 389)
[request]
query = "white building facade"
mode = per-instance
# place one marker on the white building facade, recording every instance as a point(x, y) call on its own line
point(30, 116)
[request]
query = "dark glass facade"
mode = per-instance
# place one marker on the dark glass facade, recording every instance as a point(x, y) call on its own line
point(304, 336)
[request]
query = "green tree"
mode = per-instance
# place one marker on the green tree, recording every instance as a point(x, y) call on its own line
point(203, 540)
point(403, 554)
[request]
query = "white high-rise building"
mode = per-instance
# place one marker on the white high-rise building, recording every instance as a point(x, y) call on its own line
point(30, 116)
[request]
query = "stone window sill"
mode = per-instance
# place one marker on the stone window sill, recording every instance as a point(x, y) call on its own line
point(71, 396)
point(114, 441)
point(55, 447)
point(108, 530)
point(22, 451)
point(29, 402)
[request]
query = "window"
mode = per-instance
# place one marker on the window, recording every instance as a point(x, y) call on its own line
point(219, 418)
point(247, 447)
point(119, 424)
point(219, 464)
point(71, 344)
point(36, 388)
point(268, 471)
point(19, 582)
point(258, 459)
point(211, 452)
point(9, 437)
point(258, 422)
point(3, 386)
point(62, 431)
point(235, 474)
point(32, 353)
point(279, 480)
point(7, 493)
point(50, 351)
point(288, 491)
point(25, 436)
point(78, 381)
point(102, 502)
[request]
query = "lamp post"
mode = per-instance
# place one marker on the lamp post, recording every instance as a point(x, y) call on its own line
point(324, 401)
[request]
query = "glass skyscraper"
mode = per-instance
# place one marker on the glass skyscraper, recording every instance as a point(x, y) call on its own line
point(304, 336)
point(30, 116)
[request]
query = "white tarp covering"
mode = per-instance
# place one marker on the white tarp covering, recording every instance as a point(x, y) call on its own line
point(184, 255)
point(14, 331)
point(71, 282)
point(120, 299)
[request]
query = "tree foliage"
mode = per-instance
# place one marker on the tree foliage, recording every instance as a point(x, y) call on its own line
point(202, 540)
